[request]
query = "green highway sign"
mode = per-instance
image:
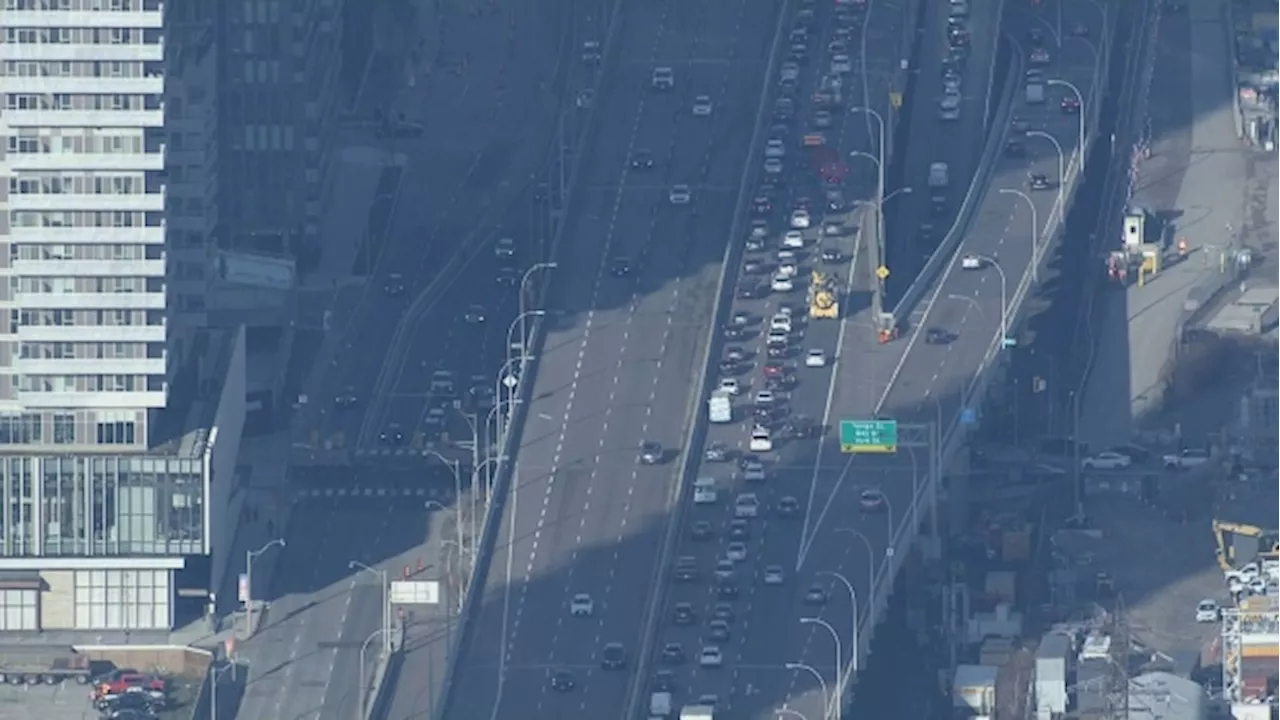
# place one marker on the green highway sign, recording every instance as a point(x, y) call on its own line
point(868, 436)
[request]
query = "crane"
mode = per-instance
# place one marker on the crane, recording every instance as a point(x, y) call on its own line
point(1239, 544)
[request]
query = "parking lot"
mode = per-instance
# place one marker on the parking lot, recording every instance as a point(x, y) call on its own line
point(69, 701)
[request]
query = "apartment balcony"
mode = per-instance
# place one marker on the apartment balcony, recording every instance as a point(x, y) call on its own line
point(85, 118)
point(91, 301)
point(141, 202)
point(63, 236)
point(88, 268)
point(86, 162)
point(151, 19)
point(84, 86)
point(49, 366)
point(96, 333)
point(103, 400)
point(153, 52)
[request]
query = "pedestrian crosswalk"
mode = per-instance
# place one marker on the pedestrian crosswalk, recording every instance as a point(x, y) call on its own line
point(382, 492)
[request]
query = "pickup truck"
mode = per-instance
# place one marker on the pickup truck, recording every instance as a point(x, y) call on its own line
point(1186, 459)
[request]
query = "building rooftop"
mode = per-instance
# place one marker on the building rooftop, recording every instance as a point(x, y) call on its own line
point(182, 428)
point(1165, 696)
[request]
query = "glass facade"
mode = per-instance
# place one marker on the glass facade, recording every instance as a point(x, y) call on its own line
point(87, 506)
point(122, 600)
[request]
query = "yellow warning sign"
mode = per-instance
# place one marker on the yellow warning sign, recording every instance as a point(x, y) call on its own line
point(882, 272)
point(895, 99)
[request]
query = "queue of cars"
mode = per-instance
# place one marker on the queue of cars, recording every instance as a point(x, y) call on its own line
point(126, 694)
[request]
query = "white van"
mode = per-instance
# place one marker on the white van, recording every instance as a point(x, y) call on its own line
point(704, 491)
point(660, 705)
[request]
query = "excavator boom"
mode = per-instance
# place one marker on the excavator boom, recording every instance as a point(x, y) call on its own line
point(1239, 544)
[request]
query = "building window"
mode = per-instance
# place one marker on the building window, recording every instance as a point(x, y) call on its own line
point(19, 429)
point(64, 429)
point(121, 600)
point(116, 433)
point(19, 610)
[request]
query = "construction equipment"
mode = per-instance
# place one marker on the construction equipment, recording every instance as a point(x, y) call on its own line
point(1240, 544)
point(822, 297)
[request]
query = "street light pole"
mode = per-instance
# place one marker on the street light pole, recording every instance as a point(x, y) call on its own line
point(880, 188)
point(524, 280)
point(871, 561)
point(364, 690)
point(248, 582)
point(1080, 117)
point(826, 696)
point(457, 492)
point(839, 697)
point(215, 672)
point(1062, 166)
point(853, 614)
point(1004, 296)
point(877, 297)
point(386, 601)
point(1035, 234)
point(519, 321)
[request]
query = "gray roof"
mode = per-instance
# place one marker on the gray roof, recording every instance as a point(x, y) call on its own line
point(1165, 696)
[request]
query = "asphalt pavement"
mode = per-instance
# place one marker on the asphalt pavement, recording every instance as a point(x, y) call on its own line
point(629, 315)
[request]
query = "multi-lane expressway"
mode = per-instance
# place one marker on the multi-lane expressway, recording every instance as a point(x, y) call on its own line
point(766, 634)
point(379, 512)
point(583, 516)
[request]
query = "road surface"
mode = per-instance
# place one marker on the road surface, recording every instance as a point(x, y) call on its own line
point(583, 516)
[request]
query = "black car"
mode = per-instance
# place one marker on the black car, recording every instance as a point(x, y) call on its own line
point(702, 530)
point(761, 205)
point(673, 653)
point(718, 630)
point(1080, 30)
point(684, 614)
point(788, 506)
point(739, 530)
point(832, 256)
point(752, 291)
point(1039, 181)
point(614, 657)
point(664, 681)
point(562, 681)
point(1035, 36)
point(651, 453)
point(754, 267)
point(395, 285)
point(716, 452)
point(733, 332)
point(729, 367)
point(347, 398)
point(748, 459)
point(778, 351)
point(129, 705)
point(939, 336)
point(727, 590)
point(723, 611)
point(1015, 149)
point(642, 160)
point(621, 267)
point(802, 427)
point(392, 435)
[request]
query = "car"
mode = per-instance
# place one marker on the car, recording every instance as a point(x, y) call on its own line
point(800, 220)
point(130, 706)
point(582, 605)
point(733, 332)
point(1019, 126)
point(562, 681)
point(754, 266)
point(613, 657)
point(752, 291)
point(392, 435)
point(642, 160)
point(773, 166)
point(761, 205)
point(971, 262)
point(831, 256)
point(1035, 36)
point(938, 336)
point(347, 398)
point(508, 276)
point(727, 590)
point(774, 368)
point(686, 570)
point(474, 315)
point(1207, 611)
point(765, 397)
point(736, 353)
point(754, 472)
point(591, 52)
point(1039, 181)
point(788, 505)
point(704, 491)
point(872, 500)
point(1015, 149)
point(822, 119)
point(841, 64)
point(1080, 30)
point(781, 284)
point(1039, 56)
point(775, 148)
point(1135, 453)
point(702, 530)
point(746, 506)
point(1188, 458)
point(710, 657)
point(815, 595)
point(620, 267)
point(394, 286)
point(959, 8)
point(761, 440)
point(718, 630)
point(793, 239)
point(680, 195)
point(1070, 105)
point(754, 243)
point(730, 385)
point(780, 322)
point(803, 426)
point(1106, 460)
point(949, 108)
point(736, 551)
point(586, 99)
point(683, 614)
point(663, 78)
point(664, 681)
point(815, 358)
point(702, 106)
point(504, 248)
point(789, 71)
point(723, 611)
point(651, 452)
point(774, 575)
point(673, 654)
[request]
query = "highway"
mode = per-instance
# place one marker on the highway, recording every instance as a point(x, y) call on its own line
point(479, 129)
point(765, 633)
point(583, 515)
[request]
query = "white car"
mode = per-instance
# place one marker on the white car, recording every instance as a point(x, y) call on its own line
point(582, 606)
point(663, 78)
point(680, 195)
point(746, 506)
point(841, 64)
point(971, 262)
point(959, 8)
point(777, 338)
point(761, 440)
point(822, 119)
point(724, 569)
point(730, 385)
point(765, 397)
point(773, 166)
point(788, 270)
point(782, 284)
point(702, 106)
point(1207, 611)
point(736, 551)
point(1189, 458)
point(790, 72)
point(774, 575)
point(815, 358)
point(800, 219)
point(774, 148)
point(710, 657)
point(754, 472)
point(951, 86)
point(704, 491)
point(949, 107)
point(1106, 461)
point(786, 256)
point(781, 322)
point(793, 239)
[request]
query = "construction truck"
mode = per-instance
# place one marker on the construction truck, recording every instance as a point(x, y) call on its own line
point(1239, 544)
point(822, 297)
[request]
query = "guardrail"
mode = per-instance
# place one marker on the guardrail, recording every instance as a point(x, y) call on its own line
point(487, 536)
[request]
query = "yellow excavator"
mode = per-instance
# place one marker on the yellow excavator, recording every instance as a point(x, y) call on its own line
point(1240, 544)
point(822, 297)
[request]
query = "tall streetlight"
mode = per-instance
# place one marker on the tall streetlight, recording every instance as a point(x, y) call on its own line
point(1062, 166)
point(877, 297)
point(524, 281)
point(456, 471)
point(1004, 297)
point(871, 560)
point(835, 636)
point(363, 692)
point(853, 614)
point(1079, 116)
point(880, 189)
point(386, 601)
point(519, 321)
point(1035, 236)
point(249, 557)
point(826, 697)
